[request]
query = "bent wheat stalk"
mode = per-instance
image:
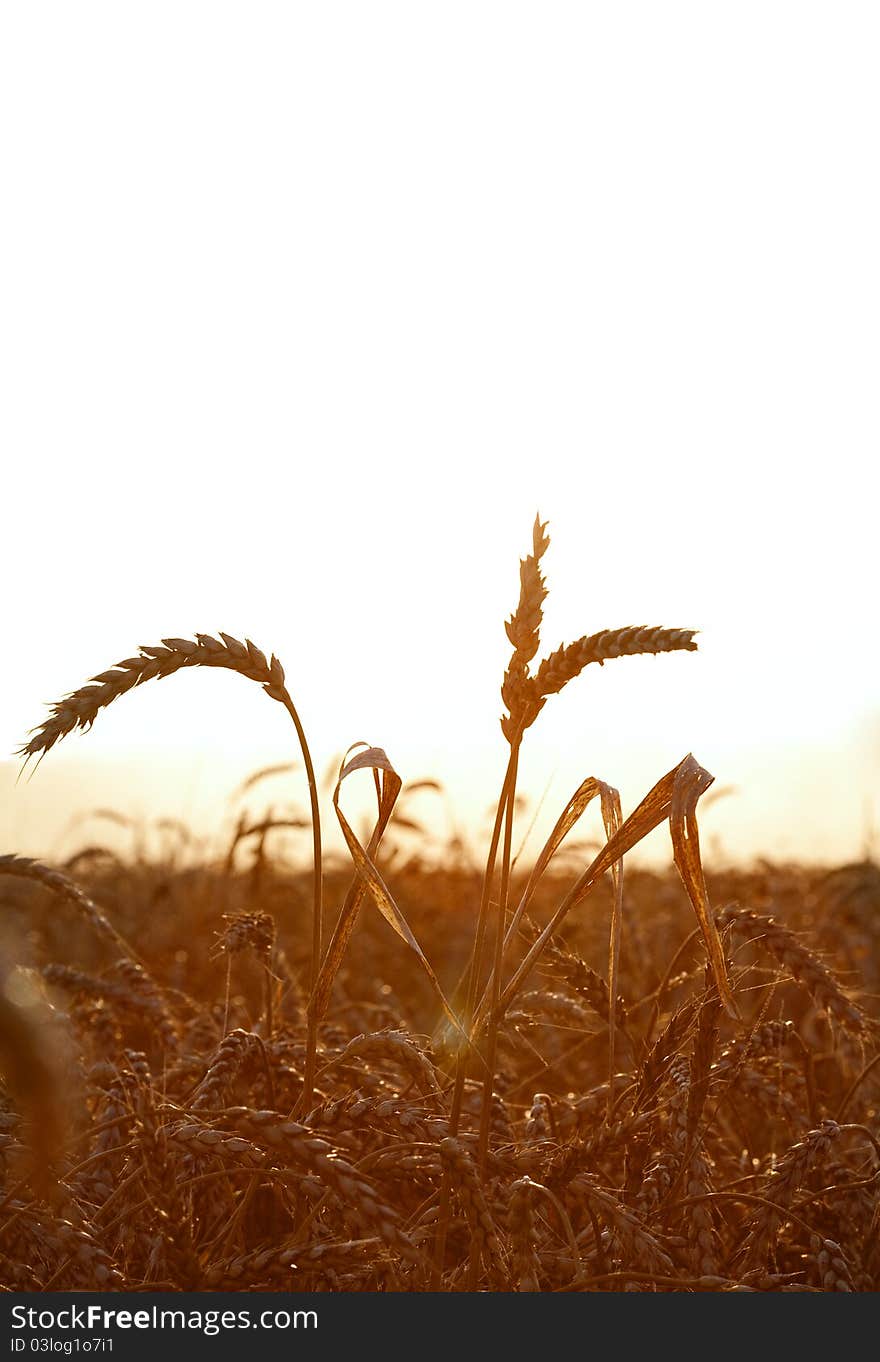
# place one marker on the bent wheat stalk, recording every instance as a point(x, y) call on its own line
point(25, 868)
point(81, 707)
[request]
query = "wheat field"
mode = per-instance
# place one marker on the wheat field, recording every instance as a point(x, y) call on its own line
point(393, 1071)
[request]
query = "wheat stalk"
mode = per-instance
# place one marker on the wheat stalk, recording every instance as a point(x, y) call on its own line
point(81, 707)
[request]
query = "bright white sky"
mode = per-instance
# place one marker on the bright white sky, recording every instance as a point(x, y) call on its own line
point(308, 308)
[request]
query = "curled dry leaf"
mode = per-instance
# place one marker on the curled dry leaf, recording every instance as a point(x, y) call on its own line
point(388, 785)
point(580, 801)
point(576, 807)
point(689, 779)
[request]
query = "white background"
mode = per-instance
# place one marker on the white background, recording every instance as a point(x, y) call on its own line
point(308, 308)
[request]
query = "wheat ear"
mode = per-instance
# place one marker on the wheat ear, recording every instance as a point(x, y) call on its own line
point(81, 707)
point(568, 662)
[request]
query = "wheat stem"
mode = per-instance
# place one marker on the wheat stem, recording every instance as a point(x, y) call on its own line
point(81, 707)
point(492, 1030)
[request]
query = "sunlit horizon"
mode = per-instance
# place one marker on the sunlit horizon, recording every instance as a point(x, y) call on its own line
point(786, 803)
